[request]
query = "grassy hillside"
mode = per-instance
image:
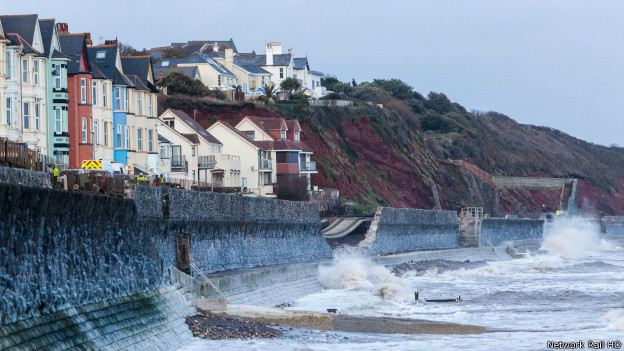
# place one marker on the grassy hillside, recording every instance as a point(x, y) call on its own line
point(393, 144)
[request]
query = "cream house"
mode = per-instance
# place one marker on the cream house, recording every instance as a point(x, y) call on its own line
point(194, 151)
point(256, 163)
point(249, 77)
point(213, 74)
point(102, 109)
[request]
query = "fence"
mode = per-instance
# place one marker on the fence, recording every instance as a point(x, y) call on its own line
point(342, 103)
point(17, 155)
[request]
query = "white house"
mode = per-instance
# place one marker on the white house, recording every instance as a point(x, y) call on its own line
point(257, 174)
point(194, 151)
point(310, 80)
point(212, 74)
point(278, 64)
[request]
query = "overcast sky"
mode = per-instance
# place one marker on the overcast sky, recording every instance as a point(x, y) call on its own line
point(556, 63)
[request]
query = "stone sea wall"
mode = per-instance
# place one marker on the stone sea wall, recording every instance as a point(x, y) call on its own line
point(24, 177)
point(404, 229)
point(495, 231)
point(231, 232)
point(61, 249)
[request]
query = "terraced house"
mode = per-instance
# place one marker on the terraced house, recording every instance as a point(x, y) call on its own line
point(25, 89)
point(56, 93)
point(143, 103)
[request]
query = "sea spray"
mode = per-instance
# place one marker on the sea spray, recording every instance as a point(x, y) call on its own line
point(572, 237)
point(354, 272)
point(615, 319)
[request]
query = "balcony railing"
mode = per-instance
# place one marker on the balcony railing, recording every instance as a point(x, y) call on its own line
point(266, 165)
point(179, 164)
point(206, 162)
point(308, 166)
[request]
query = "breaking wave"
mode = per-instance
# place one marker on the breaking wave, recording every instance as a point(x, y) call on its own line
point(615, 319)
point(350, 271)
point(573, 237)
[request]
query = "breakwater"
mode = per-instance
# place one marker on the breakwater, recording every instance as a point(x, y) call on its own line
point(495, 231)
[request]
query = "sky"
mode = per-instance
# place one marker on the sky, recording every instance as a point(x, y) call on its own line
point(555, 63)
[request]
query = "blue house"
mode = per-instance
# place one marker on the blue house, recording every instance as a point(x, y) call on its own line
point(108, 60)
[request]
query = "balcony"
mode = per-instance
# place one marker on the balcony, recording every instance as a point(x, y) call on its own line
point(206, 162)
point(179, 164)
point(266, 165)
point(231, 163)
point(307, 166)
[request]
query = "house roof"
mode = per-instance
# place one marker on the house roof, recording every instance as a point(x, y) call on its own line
point(163, 71)
point(139, 67)
point(260, 60)
point(199, 57)
point(300, 62)
point(195, 126)
point(254, 69)
point(137, 82)
point(168, 62)
point(18, 40)
point(193, 138)
point(239, 133)
point(293, 124)
point(316, 72)
point(268, 123)
point(72, 46)
point(162, 139)
point(23, 25)
point(106, 64)
point(96, 72)
point(284, 145)
point(46, 26)
point(59, 55)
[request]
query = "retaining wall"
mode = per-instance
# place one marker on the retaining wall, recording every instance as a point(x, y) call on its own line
point(495, 231)
point(229, 231)
point(405, 229)
point(614, 225)
point(24, 177)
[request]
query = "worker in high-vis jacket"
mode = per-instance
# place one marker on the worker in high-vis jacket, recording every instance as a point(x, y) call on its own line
point(55, 173)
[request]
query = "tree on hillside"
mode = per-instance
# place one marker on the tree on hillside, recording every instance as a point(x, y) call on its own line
point(129, 50)
point(178, 83)
point(269, 91)
point(397, 88)
point(329, 82)
point(439, 103)
point(290, 85)
point(177, 52)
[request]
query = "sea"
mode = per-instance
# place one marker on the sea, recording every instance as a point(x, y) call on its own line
point(569, 294)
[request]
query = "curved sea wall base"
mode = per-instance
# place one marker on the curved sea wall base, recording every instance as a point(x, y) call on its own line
point(495, 231)
point(147, 321)
point(406, 229)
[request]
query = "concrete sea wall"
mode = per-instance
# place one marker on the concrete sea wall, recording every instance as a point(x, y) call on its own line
point(614, 225)
point(404, 229)
point(495, 231)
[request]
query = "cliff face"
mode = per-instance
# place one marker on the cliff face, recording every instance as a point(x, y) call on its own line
point(392, 155)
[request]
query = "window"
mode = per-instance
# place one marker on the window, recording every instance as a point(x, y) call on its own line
point(296, 136)
point(100, 54)
point(281, 72)
point(84, 129)
point(193, 175)
point(139, 140)
point(26, 116)
point(8, 111)
point(138, 106)
point(149, 106)
point(25, 71)
point(94, 93)
point(165, 63)
point(250, 134)
point(58, 120)
point(95, 132)
point(105, 134)
point(103, 94)
point(262, 80)
point(266, 178)
point(57, 76)
point(127, 145)
point(283, 134)
point(83, 90)
point(150, 140)
point(170, 123)
point(125, 107)
point(36, 69)
point(119, 136)
point(9, 68)
point(164, 151)
point(118, 98)
point(192, 150)
point(37, 111)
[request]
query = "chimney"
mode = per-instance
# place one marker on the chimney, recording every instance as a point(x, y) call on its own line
point(215, 48)
point(277, 48)
point(110, 42)
point(229, 59)
point(62, 28)
point(88, 39)
point(269, 54)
